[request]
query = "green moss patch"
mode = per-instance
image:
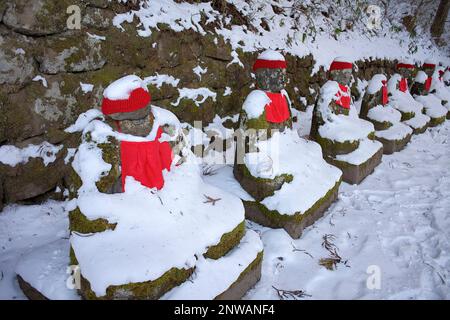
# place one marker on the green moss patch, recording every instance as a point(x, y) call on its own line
point(259, 188)
point(78, 222)
point(273, 219)
point(111, 155)
point(334, 148)
point(437, 121)
point(148, 290)
point(227, 242)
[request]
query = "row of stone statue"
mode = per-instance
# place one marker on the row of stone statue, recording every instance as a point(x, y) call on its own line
point(131, 242)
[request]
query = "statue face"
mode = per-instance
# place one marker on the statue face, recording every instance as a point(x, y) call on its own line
point(272, 80)
point(343, 77)
point(136, 123)
point(429, 71)
point(406, 73)
point(140, 127)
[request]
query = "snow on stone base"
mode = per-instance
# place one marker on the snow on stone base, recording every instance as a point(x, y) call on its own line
point(45, 270)
point(433, 106)
point(404, 102)
point(156, 230)
point(213, 277)
point(384, 114)
point(342, 128)
point(398, 131)
point(287, 153)
point(366, 150)
point(419, 121)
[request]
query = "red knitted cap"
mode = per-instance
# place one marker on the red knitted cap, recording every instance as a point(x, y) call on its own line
point(138, 99)
point(340, 65)
point(270, 59)
point(401, 65)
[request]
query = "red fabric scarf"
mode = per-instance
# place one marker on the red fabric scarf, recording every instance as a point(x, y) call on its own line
point(343, 97)
point(428, 84)
point(384, 91)
point(145, 161)
point(277, 110)
point(403, 85)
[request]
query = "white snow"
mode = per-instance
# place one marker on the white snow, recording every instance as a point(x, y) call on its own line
point(198, 70)
point(194, 94)
point(96, 36)
point(366, 149)
point(419, 121)
point(83, 120)
point(121, 88)
point(421, 77)
point(396, 132)
point(235, 59)
point(376, 83)
point(86, 87)
point(22, 230)
point(433, 105)
point(221, 272)
point(227, 92)
point(42, 79)
point(160, 79)
point(342, 128)
point(12, 156)
point(287, 153)
point(271, 55)
point(45, 269)
point(255, 103)
point(384, 114)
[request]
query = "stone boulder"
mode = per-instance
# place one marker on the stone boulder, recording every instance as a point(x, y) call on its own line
point(38, 17)
point(33, 178)
point(70, 53)
point(17, 66)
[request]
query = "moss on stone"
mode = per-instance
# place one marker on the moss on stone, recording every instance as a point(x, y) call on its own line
point(407, 115)
point(259, 188)
point(437, 121)
point(111, 155)
point(381, 125)
point(148, 290)
point(334, 148)
point(227, 242)
point(253, 265)
point(278, 220)
point(78, 222)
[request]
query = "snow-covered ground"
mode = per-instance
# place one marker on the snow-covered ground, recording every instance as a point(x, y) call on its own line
point(391, 231)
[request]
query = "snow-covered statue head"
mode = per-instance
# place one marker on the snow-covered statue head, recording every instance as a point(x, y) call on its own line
point(126, 101)
point(406, 69)
point(376, 94)
point(428, 67)
point(341, 71)
point(270, 71)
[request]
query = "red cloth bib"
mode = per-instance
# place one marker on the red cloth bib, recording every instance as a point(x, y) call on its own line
point(384, 91)
point(343, 97)
point(277, 110)
point(428, 84)
point(403, 85)
point(145, 161)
